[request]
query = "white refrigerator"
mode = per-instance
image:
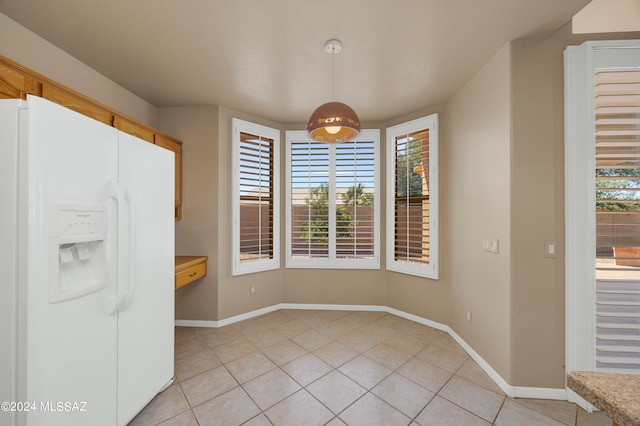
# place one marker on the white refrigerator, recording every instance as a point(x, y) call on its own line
point(87, 263)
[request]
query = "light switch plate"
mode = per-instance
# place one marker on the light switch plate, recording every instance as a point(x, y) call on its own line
point(550, 249)
point(492, 246)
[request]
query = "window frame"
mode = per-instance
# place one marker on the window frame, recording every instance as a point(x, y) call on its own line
point(430, 270)
point(333, 262)
point(238, 267)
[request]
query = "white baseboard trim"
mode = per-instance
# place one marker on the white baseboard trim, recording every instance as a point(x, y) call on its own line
point(418, 319)
point(540, 393)
point(316, 307)
point(227, 321)
point(493, 374)
point(196, 323)
point(248, 315)
point(580, 401)
point(509, 390)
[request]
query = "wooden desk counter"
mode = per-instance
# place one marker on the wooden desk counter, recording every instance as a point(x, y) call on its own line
point(189, 269)
point(617, 394)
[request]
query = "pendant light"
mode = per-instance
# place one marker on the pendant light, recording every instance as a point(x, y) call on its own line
point(333, 121)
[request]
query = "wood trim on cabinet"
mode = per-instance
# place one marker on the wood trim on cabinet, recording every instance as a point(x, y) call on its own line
point(134, 128)
point(15, 83)
point(76, 102)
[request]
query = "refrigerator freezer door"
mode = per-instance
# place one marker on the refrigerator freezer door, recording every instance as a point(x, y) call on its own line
point(145, 320)
point(9, 251)
point(66, 350)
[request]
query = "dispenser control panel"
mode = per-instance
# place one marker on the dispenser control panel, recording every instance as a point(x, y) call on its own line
point(87, 221)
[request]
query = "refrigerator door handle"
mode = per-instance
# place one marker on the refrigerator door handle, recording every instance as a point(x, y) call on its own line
point(112, 301)
point(127, 295)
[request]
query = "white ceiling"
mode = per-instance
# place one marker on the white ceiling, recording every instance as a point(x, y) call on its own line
point(267, 57)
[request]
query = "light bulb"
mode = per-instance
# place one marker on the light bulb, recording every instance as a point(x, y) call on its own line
point(333, 129)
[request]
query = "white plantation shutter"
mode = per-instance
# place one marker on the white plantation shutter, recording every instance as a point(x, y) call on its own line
point(309, 198)
point(355, 180)
point(332, 199)
point(412, 200)
point(617, 104)
point(255, 198)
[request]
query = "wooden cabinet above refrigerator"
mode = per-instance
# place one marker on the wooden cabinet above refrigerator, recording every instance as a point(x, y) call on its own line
point(17, 81)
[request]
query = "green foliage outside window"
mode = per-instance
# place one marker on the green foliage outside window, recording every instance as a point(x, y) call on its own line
point(614, 192)
point(317, 229)
point(408, 183)
point(356, 196)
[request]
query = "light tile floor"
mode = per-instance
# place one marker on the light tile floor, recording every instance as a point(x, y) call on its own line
point(306, 368)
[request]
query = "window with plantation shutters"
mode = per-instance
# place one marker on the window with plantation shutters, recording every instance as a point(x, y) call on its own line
point(617, 161)
point(255, 207)
point(412, 197)
point(332, 202)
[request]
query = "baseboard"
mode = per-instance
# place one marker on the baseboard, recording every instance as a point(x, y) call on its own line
point(227, 321)
point(196, 323)
point(248, 315)
point(540, 393)
point(509, 390)
point(580, 401)
point(316, 307)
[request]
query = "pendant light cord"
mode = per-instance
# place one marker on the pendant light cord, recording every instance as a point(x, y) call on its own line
point(333, 75)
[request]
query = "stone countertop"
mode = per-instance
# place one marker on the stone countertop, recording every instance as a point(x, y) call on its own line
point(617, 394)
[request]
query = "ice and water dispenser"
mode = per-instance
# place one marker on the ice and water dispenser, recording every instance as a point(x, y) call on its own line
point(78, 247)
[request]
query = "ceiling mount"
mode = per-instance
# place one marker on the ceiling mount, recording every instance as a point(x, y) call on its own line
point(333, 46)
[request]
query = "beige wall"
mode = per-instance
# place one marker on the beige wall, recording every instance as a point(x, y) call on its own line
point(478, 206)
point(197, 232)
point(604, 16)
point(28, 49)
point(537, 212)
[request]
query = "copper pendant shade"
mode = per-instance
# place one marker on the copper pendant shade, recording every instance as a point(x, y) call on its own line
point(333, 121)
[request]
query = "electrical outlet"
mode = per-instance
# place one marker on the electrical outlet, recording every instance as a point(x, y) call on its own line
point(252, 289)
point(469, 317)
